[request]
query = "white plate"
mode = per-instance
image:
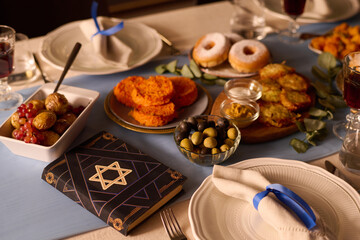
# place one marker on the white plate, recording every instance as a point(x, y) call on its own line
point(57, 45)
point(214, 215)
point(337, 10)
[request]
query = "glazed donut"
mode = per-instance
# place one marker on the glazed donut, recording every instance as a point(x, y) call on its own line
point(211, 50)
point(248, 56)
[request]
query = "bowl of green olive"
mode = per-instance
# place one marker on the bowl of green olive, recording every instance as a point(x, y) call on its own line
point(207, 139)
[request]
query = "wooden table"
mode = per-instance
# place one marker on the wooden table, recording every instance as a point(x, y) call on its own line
point(183, 27)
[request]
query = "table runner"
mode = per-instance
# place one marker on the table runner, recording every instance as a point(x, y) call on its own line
point(30, 209)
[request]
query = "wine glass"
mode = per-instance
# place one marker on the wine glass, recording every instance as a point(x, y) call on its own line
point(293, 8)
point(351, 78)
point(8, 99)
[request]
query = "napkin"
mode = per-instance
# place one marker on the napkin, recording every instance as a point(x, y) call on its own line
point(318, 9)
point(245, 184)
point(110, 49)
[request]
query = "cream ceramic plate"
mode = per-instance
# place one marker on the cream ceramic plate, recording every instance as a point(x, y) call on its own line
point(214, 215)
point(318, 10)
point(200, 106)
point(57, 45)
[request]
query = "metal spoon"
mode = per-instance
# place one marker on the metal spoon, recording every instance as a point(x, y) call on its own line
point(68, 64)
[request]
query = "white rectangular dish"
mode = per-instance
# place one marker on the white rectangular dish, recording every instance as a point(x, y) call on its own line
point(76, 97)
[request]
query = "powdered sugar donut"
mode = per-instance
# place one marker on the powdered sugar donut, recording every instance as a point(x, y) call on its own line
point(248, 56)
point(211, 50)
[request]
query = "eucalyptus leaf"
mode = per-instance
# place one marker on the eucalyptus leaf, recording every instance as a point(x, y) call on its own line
point(320, 74)
point(321, 90)
point(334, 71)
point(209, 76)
point(160, 69)
point(330, 115)
point(195, 69)
point(186, 72)
point(300, 126)
point(298, 145)
point(326, 104)
point(336, 101)
point(313, 124)
point(171, 66)
point(327, 60)
point(207, 82)
point(317, 112)
point(220, 81)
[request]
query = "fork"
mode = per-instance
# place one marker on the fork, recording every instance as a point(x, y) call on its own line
point(171, 225)
point(174, 50)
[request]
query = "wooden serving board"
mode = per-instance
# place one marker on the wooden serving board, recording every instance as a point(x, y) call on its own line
point(256, 132)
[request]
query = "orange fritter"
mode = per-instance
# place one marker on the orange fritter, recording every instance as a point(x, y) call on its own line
point(158, 110)
point(156, 90)
point(151, 120)
point(185, 90)
point(123, 89)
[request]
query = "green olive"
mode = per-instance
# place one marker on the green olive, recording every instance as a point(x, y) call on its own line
point(232, 133)
point(229, 142)
point(187, 144)
point(197, 138)
point(224, 148)
point(210, 142)
point(215, 151)
point(210, 132)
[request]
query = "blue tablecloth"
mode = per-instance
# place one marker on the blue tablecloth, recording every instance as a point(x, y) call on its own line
point(32, 209)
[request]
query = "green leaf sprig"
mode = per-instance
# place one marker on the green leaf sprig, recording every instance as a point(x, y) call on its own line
point(190, 70)
point(315, 128)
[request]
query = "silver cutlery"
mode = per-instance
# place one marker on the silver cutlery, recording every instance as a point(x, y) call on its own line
point(174, 50)
point(171, 225)
point(40, 69)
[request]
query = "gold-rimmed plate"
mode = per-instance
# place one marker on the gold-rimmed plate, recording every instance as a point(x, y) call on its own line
point(119, 113)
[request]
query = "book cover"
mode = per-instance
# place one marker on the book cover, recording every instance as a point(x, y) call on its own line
point(113, 180)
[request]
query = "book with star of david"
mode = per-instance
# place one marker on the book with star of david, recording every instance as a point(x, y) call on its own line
point(113, 180)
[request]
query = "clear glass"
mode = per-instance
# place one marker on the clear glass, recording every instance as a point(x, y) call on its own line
point(351, 78)
point(248, 19)
point(243, 88)
point(8, 99)
point(294, 9)
point(350, 151)
point(24, 63)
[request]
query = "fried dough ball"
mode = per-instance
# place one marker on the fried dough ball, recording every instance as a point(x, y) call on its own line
point(57, 103)
point(50, 137)
point(123, 89)
point(293, 81)
point(294, 100)
point(156, 90)
point(275, 114)
point(275, 70)
point(44, 120)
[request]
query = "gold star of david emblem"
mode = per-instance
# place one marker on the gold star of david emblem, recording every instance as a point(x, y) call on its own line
point(106, 183)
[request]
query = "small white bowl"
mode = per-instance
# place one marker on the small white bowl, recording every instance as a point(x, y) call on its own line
point(76, 97)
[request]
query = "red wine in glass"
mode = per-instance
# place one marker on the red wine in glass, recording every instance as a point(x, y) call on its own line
point(294, 8)
point(6, 59)
point(352, 90)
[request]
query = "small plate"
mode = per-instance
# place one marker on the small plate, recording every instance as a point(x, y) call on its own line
point(224, 70)
point(318, 11)
point(119, 113)
point(213, 215)
point(57, 45)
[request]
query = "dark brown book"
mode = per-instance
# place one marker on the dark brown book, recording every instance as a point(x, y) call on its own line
point(113, 180)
